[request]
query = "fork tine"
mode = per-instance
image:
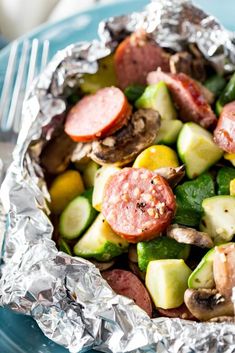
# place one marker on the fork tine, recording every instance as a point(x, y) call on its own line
point(16, 103)
point(8, 81)
point(30, 77)
point(45, 53)
point(31, 73)
point(32, 64)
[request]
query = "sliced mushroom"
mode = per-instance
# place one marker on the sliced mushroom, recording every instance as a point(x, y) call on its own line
point(228, 319)
point(206, 304)
point(224, 269)
point(103, 266)
point(188, 235)
point(56, 155)
point(81, 152)
point(172, 175)
point(135, 269)
point(125, 144)
point(181, 62)
point(132, 253)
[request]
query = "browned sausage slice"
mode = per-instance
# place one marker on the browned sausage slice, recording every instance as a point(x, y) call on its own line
point(181, 312)
point(224, 134)
point(188, 97)
point(127, 284)
point(97, 115)
point(135, 57)
point(138, 204)
point(224, 269)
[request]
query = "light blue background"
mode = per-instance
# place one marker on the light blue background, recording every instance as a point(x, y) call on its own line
point(20, 334)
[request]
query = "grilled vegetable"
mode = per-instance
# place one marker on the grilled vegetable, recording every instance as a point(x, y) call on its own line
point(104, 77)
point(100, 242)
point(157, 97)
point(219, 218)
point(133, 92)
point(156, 157)
point(65, 188)
point(169, 132)
point(224, 176)
point(228, 95)
point(101, 177)
point(77, 216)
point(202, 276)
point(215, 84)
point(166, 281)
point(189, 197)
point(197, 149)
point(89, 173)
point(160, 248)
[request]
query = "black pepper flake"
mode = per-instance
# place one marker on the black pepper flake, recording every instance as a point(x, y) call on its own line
point(141, 206)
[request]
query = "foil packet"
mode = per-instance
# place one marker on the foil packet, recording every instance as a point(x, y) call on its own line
point(72, 304)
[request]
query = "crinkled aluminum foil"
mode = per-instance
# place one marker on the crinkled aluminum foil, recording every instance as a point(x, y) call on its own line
point(67, 297)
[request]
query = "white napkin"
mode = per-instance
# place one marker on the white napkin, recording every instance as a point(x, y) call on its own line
point(20, 16)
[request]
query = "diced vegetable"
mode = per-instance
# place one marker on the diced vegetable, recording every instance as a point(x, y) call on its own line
point(63, 246)
point(157, 97)
point(189, 197)
point(101, 178)
point(133, 92)
point(100, 242)
point(81, 164)
point(215, 84)
point(157, 156)
point(89, 174)
point(77, 216)
point(230, 157)
point(232, 187)
point(228, 95)
point(218, 108)
point(197, 149)
point(64, 188)
point(224, 176)
point(104, 77)
point(169, 132)
point(219, 218)
point(166, 281)
point(160, 248)
point(202, 276)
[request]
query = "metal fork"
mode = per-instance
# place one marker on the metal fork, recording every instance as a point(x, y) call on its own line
point(19, 75)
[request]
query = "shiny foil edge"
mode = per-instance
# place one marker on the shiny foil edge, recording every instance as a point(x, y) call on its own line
point(66, 295)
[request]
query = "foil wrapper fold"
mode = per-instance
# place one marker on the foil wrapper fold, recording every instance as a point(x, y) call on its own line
point(66, 295)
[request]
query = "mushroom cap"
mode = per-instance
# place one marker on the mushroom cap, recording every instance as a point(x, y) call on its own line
point(188, 235)
point(125, 144)
point(206, 304)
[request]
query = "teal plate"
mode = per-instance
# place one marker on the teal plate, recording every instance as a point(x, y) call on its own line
point(19, 333)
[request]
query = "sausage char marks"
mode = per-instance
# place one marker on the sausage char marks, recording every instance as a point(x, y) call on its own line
point(138, 204)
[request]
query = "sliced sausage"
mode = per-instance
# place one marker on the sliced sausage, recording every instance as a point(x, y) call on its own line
point(188, 97)
point(135, 57)
point(127, 284)
point(138, 204)
point(224, 134)
point(224, 269)
point(181, 312)
point(97, 115)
